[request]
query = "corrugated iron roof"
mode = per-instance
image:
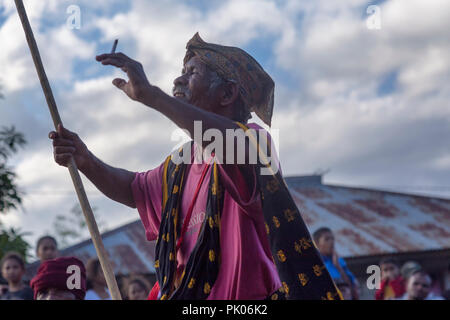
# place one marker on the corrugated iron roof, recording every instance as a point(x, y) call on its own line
point(368, 222)
point(127, 247)
point(365, 222)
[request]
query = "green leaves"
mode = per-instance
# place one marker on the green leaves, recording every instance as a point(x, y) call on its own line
point(10, 239)
point(10, 141)
point(72, 227)
point(13, 240)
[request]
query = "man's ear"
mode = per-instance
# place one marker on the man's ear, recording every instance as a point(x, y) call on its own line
point(230, 93)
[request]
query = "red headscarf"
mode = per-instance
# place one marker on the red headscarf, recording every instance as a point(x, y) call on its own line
point(54, 274)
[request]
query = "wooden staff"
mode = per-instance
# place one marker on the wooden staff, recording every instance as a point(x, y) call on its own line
point(76, 179)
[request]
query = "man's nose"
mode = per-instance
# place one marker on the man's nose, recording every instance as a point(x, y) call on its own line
point(180, 81)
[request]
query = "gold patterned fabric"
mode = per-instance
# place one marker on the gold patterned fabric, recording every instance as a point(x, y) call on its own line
point(203, 264)
point(255, 85)
point(300, 267)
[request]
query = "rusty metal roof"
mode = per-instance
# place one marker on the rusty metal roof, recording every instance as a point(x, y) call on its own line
point(369, 222)
point(365, 222)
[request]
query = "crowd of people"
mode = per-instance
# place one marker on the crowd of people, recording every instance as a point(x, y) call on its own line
point(407, 282)
point(398, 282)
point(244, 248)
point(51, 281)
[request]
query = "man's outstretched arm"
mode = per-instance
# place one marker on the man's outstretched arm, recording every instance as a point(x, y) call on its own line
point(115, 183)
point(183, 114)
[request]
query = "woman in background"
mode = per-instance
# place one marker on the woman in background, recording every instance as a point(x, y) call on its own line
point(96, 283)
point(46, 248)
point(137, 289)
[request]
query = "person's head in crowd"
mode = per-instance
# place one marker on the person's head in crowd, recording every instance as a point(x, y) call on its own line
point(324, 240)
point(137, 289)
point(389, 268)
point(13, 268)
point(94, 273)
point(46, 248)
point(60, 279)
point(418, 285)
point(409, 268)
point(344, 288)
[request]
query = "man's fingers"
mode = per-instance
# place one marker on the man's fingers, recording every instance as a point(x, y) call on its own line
point(63, 150)
point(119, 83)
point(61, 142)
point(63, 159)
point(52, 135)
point(65, 133)
point(114, 62)
point(119, 55)
point(104, 56)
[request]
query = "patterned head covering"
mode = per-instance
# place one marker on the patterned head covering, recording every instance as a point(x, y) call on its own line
point(255, 85)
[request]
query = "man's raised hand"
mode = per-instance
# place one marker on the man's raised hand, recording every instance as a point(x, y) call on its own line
point(137, 85)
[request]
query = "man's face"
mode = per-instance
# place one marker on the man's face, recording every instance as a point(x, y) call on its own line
point(196, 85)
point(55, 294)
point(418, 287)
point(389, 271)
point(326, 244)
point(47, 250)
point(12, 271)
point(136, 292)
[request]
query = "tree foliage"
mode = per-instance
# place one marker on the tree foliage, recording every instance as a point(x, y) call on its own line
point(13, 240)
point(10, 239)
point(10, 141)
point(72, 227)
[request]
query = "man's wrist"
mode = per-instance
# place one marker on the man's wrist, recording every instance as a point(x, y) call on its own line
point(151, 96)
point(88, 163)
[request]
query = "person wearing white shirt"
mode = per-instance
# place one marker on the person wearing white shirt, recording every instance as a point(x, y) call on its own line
point(96, 283)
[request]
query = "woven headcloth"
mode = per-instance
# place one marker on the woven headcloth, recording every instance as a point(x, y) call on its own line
point(256, 87)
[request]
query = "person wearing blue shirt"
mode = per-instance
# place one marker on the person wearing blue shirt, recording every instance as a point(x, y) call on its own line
point(336, 266)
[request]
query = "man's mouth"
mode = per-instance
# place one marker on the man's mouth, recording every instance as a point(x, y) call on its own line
point(179, 95)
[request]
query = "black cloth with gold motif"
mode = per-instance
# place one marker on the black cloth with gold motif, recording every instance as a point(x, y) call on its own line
point(301, 270)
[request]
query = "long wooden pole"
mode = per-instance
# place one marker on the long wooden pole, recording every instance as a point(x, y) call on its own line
point(76, 179)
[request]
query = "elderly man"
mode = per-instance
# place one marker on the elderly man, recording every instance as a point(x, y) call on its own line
point(224, 230)
point(60, 279)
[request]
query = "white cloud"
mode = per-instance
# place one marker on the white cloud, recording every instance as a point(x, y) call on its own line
point(333, 117)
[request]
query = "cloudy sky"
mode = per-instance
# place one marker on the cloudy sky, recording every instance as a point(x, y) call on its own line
point(369, 105)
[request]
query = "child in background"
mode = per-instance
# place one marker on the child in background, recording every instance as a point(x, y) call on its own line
point(13, 269)
point(46, 248)
point(96, 283)
point(336, 266)
point(392, 282)
point(137, 289)
point(344, 288)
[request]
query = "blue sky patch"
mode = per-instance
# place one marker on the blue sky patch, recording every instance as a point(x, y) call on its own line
point(388, 83)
